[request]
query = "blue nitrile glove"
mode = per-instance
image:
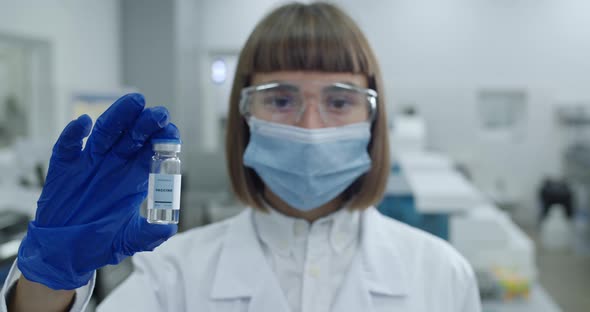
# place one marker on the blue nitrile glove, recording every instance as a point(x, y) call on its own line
point(88, 213)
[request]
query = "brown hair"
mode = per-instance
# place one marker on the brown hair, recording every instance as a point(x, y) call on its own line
point(307, 37)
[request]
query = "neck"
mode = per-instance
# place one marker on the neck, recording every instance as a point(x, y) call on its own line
point(279, 205)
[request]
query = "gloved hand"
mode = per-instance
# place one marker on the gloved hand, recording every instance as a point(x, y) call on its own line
point(88, 213)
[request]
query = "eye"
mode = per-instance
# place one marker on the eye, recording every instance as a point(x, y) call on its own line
point(279, 101)
point(339, 103)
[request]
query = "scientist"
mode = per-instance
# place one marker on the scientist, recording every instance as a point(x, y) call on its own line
point(307, 150)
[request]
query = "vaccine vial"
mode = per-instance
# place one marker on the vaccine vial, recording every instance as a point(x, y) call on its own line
point(163, 206)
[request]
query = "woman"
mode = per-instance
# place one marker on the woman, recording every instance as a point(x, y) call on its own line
point(307, 151)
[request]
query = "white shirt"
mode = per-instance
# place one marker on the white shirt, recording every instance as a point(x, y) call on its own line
point(222, 267)
point(309, 260)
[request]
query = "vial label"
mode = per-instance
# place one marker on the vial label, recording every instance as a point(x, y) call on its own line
point(164, 191)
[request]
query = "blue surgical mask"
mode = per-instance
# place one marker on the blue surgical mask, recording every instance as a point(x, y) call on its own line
point(307, 167)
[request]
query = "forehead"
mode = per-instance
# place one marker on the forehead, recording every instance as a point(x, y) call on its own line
point(297, 76)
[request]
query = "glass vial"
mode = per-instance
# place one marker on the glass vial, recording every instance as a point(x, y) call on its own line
point(164, 182)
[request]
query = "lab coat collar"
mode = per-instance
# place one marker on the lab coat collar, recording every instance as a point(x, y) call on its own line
point(383, 267)
point(345, 229)
point(378, 268)
point(243, 272)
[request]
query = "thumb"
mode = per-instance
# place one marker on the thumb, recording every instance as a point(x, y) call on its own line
point(143, 236)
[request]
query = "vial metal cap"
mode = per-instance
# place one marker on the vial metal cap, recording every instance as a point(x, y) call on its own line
point(167, 145)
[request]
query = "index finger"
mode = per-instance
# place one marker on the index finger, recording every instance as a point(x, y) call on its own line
point(118, 118)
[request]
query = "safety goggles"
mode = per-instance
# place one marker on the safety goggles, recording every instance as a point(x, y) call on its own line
point(285, 102)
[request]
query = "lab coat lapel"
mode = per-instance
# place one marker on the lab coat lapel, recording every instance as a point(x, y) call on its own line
point(243, 272)
point(376, 270)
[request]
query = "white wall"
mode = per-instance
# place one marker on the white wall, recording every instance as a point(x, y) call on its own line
point(13, 80)
point(437, 54)
point(225, 27)
point(85, 44)
point(147, 46)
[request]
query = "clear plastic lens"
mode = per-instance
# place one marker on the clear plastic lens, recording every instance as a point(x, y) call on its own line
point(280, 101)
point(337, 105)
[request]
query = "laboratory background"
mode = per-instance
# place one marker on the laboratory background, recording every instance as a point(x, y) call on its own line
point(488, 105)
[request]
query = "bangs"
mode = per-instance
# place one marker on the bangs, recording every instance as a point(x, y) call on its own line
point(300, 37)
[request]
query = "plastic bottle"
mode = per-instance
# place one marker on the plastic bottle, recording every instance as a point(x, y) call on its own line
point(556, 230)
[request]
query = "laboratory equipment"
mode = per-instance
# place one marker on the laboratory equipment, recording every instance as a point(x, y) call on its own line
point(575, 121)
point(164, 182)
point(502, 284)
point(408, 133)
point(399, 203)
point(556, 192)
point(488, 238)
point(424, 190)
point(556, 231)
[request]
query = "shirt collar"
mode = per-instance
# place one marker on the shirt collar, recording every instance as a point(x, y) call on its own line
point(277, 230)
point(380, 267)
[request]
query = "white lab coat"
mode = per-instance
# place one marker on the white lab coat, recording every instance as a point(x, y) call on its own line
point(222, 268)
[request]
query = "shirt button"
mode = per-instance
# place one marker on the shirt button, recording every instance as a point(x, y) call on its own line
point(314, 272)
point(300, 228)
point(283, 244)
point(339, 238)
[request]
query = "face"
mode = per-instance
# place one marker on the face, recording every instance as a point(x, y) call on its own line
point(311, 99)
